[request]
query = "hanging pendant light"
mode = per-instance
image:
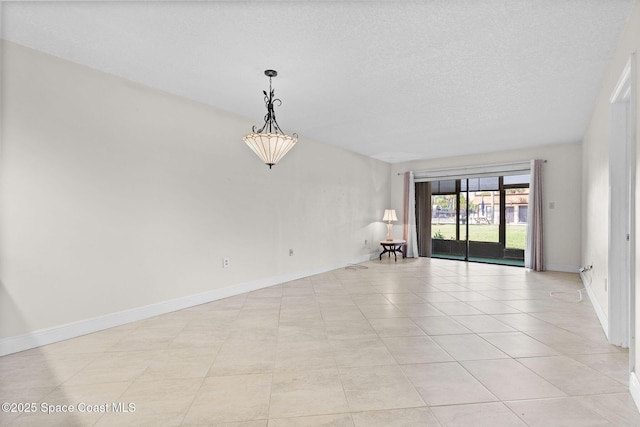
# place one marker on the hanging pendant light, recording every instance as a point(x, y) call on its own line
point(269, 142)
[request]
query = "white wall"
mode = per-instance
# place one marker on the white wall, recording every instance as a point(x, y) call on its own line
point(596, 163)
point(595, 179)
point(562, 237)
point(116, 196)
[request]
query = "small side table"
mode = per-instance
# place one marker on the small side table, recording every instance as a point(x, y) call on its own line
point(393, 246)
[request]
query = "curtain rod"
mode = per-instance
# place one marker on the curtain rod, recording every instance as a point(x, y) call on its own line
point(463, 167)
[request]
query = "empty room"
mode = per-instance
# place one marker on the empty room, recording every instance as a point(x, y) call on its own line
point(319, 213)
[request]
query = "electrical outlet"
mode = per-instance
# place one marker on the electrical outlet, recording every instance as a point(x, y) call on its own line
point(290, 252)
point(225, 262)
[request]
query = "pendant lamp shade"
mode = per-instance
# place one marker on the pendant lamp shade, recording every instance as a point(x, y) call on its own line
point(270, 147)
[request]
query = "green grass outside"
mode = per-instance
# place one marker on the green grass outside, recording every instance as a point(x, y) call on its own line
point(516, 234)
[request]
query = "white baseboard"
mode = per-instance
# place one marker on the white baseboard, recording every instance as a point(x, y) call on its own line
point(604, 321)
point(562, 268)
point(634, 388)
point(46, 336)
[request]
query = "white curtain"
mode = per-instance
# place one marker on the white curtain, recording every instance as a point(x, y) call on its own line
point(533, 255)
point(409, 230)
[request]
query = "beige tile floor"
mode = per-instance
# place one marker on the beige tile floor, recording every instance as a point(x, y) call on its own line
point(417, 342)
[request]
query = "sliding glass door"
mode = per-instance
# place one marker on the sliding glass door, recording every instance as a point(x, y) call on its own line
point(446, 220)
point(478, 219)
point(484, 242)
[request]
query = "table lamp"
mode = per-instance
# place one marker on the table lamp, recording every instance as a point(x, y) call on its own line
point(389, 215)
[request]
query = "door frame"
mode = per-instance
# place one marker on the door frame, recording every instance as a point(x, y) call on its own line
point(622, 239)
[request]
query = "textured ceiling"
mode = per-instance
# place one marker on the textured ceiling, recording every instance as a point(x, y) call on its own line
point(395, 80)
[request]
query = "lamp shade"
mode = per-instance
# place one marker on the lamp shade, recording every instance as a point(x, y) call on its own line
point(390, 215)
point(270, 147)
